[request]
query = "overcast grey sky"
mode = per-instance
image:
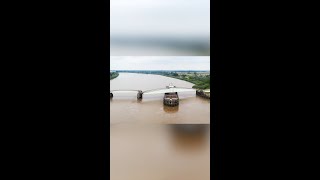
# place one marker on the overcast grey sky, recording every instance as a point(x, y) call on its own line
point(160, 62)
point(182, 18)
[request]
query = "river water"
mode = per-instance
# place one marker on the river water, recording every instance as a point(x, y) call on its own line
point(144, 143)
point(124, 107)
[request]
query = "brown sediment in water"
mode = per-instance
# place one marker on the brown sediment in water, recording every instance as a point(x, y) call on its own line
point(145, 145)
point(124, 107)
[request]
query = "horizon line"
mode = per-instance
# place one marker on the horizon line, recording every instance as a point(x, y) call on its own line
point(155, 70)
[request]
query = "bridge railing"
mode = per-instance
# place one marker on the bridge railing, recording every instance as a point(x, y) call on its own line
point(151, 90)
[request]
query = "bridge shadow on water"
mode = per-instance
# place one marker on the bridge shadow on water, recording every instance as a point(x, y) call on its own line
point(169, 109)
point(203, 100)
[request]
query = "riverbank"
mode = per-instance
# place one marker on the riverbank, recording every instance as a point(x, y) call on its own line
point(113, 75)
point(151, 108)
point(201, 80)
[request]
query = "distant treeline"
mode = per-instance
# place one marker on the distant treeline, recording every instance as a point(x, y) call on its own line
point(113, 75)
point(158, 71)
point(201, 79)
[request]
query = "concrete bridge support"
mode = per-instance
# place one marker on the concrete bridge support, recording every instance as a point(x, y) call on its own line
point(139, 95)
point(202, 94)
point(171, 99)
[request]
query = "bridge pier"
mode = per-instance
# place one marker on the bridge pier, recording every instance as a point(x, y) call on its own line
point(171, 99)
point(139, 95)
point(202, 94)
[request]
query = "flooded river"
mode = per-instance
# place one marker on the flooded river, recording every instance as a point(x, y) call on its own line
point(124, 107)
point(144, 143)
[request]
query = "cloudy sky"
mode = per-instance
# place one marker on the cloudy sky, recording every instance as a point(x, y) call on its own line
point(160, 63)
point(183, 18)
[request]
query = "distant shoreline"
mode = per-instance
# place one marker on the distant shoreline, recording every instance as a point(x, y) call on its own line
point(152, 71)
point(200, 79)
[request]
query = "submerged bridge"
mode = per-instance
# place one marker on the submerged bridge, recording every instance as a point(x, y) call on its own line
point(171, 97)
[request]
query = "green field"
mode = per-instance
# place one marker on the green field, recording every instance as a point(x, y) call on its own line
point(201, 80)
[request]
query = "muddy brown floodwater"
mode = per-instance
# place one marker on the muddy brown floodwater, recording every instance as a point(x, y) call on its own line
point(144, 143)
point(124, 106)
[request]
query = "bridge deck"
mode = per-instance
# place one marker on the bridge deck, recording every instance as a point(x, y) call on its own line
point(162, 91)
point(158, 91)
point(125, 91)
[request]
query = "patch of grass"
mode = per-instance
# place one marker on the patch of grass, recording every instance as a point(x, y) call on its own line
point(201, 81)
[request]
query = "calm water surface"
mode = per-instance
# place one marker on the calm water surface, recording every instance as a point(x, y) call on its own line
point(125, 107)
point(143, 144)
